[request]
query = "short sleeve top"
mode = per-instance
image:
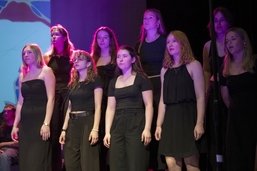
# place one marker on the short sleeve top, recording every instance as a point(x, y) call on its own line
point(130, 96)
point(82, 96)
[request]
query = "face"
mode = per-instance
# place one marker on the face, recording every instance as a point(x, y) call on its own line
point(124, 60)
point(28, 56)
point(9, 114)
point(173, 46)
point(220, 23)
point(234, 43)
point(81, 63)
point(150, 21)
point(57, 38)
point(103, 39)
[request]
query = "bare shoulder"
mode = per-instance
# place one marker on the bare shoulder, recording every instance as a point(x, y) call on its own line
point(194, 66)
point(46, 58)
point(207, 45)
point(47, 71)
point(163, 70)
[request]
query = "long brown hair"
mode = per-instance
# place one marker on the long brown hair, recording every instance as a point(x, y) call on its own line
point(96, 50)
point(68, 45)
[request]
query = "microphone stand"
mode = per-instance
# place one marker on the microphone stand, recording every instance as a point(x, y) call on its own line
point(216, 94)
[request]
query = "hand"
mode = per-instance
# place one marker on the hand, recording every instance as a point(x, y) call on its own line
point(146, 137)
point(107, 140)
point(45, 132)
point(198, 131)
point(93, 137)
point(62, 137)
point(14, 134)
point(158, 133)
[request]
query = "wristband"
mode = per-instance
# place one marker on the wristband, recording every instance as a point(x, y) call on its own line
point(45, 124)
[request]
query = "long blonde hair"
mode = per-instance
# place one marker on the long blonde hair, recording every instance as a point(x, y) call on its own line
point(248, 58)
point(38, 55)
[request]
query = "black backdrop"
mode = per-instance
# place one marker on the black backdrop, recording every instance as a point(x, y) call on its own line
point(192, 17)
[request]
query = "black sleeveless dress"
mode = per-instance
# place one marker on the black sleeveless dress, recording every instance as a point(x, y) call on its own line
point(34, 153)
point(180, 116)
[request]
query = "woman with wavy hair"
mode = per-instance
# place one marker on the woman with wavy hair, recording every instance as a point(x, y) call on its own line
point(81, 126)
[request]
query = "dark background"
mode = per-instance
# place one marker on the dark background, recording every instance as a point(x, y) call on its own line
point(83, 17)
point(192, 17)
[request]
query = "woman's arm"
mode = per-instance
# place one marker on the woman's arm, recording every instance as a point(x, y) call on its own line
point(15, 129)
point(110, 111)
point(198, 79)
point(65, 124)
point(161, 109)
point(206, 65)
point(225, 95)
point(49, 80)
point(148, 101)
point(93, 137)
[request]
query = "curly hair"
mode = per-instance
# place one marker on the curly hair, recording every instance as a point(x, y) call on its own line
point(91, 70)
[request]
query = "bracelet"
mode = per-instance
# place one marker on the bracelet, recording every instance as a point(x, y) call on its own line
point(96, 130)
point(64, 130)
point(45, 124)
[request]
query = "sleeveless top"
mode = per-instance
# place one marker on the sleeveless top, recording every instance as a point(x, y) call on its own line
point(61, 67)
point(152, 55)
point(178, 86)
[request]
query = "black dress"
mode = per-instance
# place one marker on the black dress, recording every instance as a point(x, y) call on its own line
point(61, 67)
point(242, 122)
point(180, 116)
point(34, 153)
point(151, 56)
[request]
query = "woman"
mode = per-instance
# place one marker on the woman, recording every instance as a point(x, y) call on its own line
point(34, 111)
point(59, 59)
point(129, 114)
point(81, 125)
point(151, 49)
point(104, 49)
point(181, 109)
point(216, 113)
point(240, 96)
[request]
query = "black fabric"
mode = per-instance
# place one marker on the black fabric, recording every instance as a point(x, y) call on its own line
point(82, 96)
point(242, 119)
point(34, 153)
point(180, 114)
point(152, 54)
point(61, 67)
point(79, 155)
point(130, 96)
